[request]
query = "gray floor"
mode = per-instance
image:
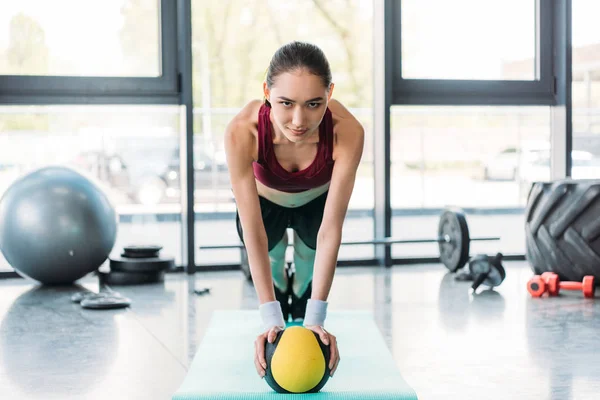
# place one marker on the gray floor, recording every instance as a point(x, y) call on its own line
point(448, 343)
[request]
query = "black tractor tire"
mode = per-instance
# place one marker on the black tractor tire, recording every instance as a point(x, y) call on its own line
point(562, 228)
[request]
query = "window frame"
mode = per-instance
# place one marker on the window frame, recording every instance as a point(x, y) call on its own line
point(163, 89)
point(476, 92)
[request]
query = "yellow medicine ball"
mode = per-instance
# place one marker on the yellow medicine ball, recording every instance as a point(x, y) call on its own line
point(297, 361)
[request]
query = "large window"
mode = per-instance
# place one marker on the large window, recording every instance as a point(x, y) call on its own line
point(129, 151)
point(585, 158)
point(479, 158)
point(100, 52)
point(55, 57)
point(232, 47)
point(472, 85)
point(98, 38)
point(470, 52)
point(468, 39)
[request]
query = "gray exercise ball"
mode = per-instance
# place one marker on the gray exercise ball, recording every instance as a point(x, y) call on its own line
point(56, 226)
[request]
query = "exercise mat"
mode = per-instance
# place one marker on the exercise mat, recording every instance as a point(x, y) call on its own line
point(223, 367)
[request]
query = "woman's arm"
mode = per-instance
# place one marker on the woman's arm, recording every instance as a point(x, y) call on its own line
point(239, 148)
point(349, 142)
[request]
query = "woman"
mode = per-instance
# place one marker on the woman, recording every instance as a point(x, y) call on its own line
point(292, 161)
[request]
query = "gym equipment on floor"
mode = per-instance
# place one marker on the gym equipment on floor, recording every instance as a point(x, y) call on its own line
point(116, 278)
point(101, 301)
point(453, 239)
point(550, 283)
point(223, 366)
point(562, 225)
point(56, 225)
point(136, 259)
point(297, 361)
point(486, 270)
point(137, 265)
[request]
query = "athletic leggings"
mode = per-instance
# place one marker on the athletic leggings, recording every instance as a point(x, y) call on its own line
point(304, 220)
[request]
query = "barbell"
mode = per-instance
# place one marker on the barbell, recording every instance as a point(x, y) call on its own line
point(453, 240)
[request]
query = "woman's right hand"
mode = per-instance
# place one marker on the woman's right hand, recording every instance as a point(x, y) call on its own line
point(259, 349)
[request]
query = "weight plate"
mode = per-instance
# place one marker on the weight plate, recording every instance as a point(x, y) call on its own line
point(125, 264)
point(141, 251)
point(118, 278)
point(454, 253)
point(105, 302)
point(79, 297)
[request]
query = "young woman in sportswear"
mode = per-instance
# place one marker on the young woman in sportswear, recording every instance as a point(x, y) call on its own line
point(292, 160)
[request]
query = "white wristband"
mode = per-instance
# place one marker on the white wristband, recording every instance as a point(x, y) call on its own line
point(271, 315)
point(316, 311)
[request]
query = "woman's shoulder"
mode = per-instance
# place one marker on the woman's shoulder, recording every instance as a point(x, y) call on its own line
point(342, 117)
point(249, 113)
point(246, 120)
point(243, 127)
point(348, 132)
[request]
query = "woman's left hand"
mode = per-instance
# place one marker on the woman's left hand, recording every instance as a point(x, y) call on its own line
point(329, 340)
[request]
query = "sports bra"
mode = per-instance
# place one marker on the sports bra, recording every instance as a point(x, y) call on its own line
point(269, 172)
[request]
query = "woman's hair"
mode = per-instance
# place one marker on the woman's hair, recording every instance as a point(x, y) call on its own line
point(299, 55)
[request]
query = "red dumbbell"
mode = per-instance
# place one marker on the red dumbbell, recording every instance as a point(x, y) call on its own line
point(587, 286)
point(537, 286)
point(550, 282)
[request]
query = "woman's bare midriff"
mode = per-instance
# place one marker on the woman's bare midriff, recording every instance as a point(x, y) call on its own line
point(290, 200)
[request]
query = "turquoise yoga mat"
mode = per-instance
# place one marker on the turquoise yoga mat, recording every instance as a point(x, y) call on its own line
point(223, 367)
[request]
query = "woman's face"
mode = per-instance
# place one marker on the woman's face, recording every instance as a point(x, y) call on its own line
point(298, 102)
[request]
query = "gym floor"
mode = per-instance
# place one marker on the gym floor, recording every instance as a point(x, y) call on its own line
point(448, 343)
